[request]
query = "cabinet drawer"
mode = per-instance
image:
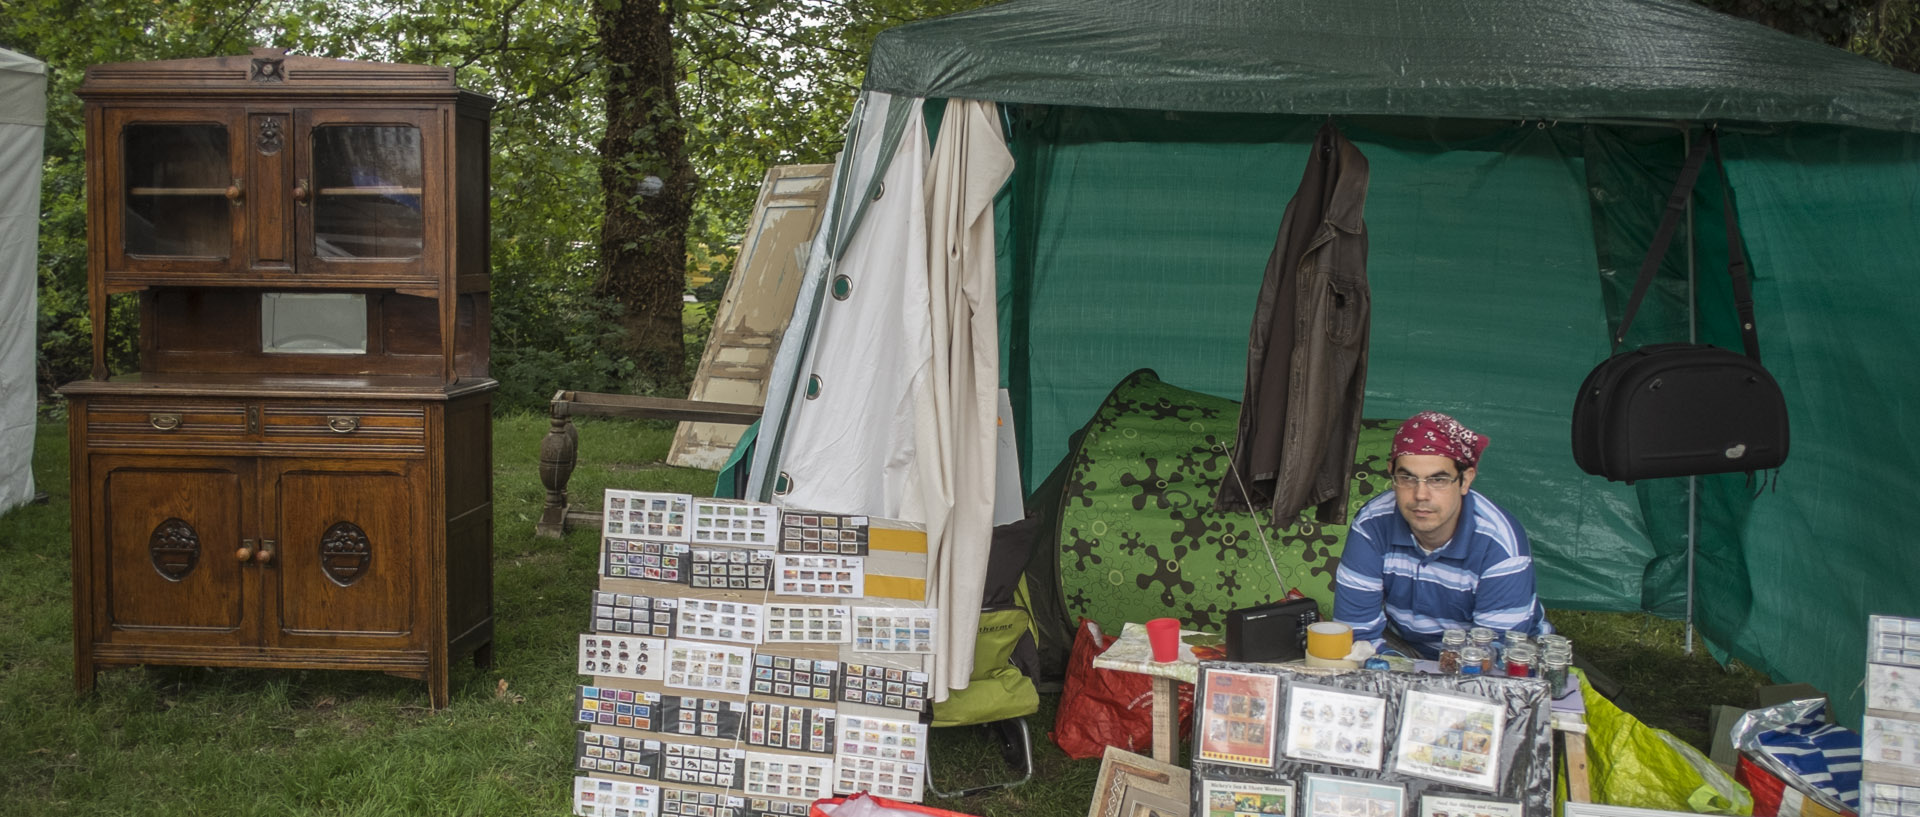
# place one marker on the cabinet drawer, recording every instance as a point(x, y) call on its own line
point(164, 423)
point(356, 427)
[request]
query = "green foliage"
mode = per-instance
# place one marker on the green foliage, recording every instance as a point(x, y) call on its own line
point(1887, 31)
point(764, 83)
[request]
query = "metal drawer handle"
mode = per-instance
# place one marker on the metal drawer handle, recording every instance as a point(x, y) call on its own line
point(164, 422)
point(342, 423)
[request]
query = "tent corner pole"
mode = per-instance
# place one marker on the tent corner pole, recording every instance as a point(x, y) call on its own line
point(1693, 483)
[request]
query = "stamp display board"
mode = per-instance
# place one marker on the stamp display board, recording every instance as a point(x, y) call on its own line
point(646, 515)
point(630, 613)
point(641, 559)
point(724, 679)
point(1370, 743)
point(614, 798)
point(732, 522)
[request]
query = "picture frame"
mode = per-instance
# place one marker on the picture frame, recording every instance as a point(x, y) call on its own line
point(1133, 785)
point(1325, 795)
point(1334, 726)
point(1239, 798)
point(1236, 717)
point(1451, 739)
point(1453, 805)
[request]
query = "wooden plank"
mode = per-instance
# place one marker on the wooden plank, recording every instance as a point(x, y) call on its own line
point(1166, 720)
point(753, 314)
point(1574, 744)
point(593, 404)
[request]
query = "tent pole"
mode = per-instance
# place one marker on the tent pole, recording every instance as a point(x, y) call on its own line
point(1693, 483)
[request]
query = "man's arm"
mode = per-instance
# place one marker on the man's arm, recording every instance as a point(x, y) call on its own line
point(1359, 588)
point(1506, 598)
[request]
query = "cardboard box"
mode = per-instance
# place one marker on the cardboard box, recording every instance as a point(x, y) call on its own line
point(1721, 719)
point(1719, 723)
point(1782, 693)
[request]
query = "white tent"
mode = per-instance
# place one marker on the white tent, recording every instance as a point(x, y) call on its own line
point(23, 121)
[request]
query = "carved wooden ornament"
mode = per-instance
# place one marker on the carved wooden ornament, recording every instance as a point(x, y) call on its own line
point(174, 548)
point(345, 553)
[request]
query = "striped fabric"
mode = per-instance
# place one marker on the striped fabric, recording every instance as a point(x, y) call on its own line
point(1482, 578)
point(1825, 755)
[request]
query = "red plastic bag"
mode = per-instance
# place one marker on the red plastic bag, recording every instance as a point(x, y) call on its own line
point(1772, 797)
point(1101, 708)
point(868, 805)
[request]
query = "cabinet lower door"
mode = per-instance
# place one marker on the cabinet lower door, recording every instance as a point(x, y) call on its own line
point(348, 554)
point(167, 538)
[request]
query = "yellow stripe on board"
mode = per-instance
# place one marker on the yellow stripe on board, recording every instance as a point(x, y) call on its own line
point(896, 541)
point(896, 587)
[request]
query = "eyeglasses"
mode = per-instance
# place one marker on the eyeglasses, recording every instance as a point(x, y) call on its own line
point(1437, 481)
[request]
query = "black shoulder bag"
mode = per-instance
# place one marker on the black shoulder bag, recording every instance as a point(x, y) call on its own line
point(1681, 409)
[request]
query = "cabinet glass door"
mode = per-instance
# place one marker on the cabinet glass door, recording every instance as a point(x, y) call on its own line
point(178, 192)
point(366, 198)
point(367, 194)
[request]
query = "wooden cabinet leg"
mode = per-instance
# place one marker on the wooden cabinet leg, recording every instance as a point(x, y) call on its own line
point(437, 695)
point(558, 454)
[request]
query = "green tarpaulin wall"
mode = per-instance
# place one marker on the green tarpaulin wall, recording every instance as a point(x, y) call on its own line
point(1520, 151)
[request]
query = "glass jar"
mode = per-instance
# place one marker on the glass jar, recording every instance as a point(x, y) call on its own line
point(1450, 643)
point(1520, 659)
point(1485, 639)
point(1516, 637)
point(1475, 660)
point(1554, 669)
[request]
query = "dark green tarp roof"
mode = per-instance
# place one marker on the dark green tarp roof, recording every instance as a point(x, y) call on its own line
point(1500, 59)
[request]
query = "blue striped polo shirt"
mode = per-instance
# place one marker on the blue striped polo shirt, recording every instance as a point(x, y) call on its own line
point(1483, 577)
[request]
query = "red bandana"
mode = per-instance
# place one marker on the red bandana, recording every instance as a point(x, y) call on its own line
point(1433, 433)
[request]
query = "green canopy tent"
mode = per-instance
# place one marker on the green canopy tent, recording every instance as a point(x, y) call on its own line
point(1520, 152)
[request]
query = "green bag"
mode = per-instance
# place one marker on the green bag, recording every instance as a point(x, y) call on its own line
point(1632, 764)
point(997, 690)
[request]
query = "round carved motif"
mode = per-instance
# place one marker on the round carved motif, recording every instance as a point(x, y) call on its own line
point(345, 553)
point(174, 548)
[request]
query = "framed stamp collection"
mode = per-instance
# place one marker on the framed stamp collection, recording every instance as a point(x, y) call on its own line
point(1275, 740)
point(738, 667)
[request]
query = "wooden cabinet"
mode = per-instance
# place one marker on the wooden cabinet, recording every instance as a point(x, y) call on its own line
point(299, 474)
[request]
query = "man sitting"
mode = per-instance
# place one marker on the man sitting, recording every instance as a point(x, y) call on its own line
point(1435, 555)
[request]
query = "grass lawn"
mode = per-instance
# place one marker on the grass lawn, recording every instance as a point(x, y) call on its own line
point(197, 741)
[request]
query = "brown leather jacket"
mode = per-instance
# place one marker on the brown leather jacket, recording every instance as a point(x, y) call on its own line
point(1307, 354)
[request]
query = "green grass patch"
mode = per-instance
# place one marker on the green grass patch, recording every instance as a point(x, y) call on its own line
point(210, 741)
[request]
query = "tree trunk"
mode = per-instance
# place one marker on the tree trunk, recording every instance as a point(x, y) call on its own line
point(643, 238)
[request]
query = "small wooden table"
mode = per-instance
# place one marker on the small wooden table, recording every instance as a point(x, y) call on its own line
point(560, 449)
point(1133, 653)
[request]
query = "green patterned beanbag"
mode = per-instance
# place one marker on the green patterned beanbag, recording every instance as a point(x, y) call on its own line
point(1139, 537)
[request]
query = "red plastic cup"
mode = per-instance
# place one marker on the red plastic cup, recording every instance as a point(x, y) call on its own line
point(1164, 635)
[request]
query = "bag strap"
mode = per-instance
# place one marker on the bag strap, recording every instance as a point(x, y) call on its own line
point(1663, 239)
point(1736, 256)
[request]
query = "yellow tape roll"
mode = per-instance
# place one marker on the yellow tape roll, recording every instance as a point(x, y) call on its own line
point(1329, 639)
